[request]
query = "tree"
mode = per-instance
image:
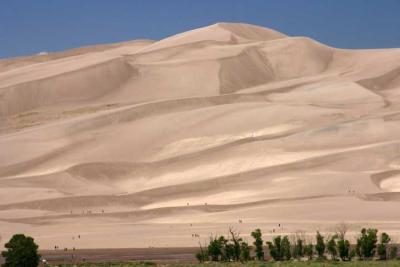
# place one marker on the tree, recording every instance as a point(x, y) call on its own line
point(258, 243)
point(236, 247)
point(309, 251)
point(275, 249)
point(21, 252)
point(343, 246)
point(366, 243)
point(245, 252)
point(286, 248)
point(331, 247)
point(280, 248)
point(215, 248)
point(320, 246)
point(382, 247)
point(298, 251)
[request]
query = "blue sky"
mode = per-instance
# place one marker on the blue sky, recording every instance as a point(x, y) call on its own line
point(31, 26)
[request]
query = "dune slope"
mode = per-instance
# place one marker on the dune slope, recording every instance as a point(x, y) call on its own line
point(194, 133)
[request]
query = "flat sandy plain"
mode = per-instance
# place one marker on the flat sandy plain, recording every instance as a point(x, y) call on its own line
point(146, 143)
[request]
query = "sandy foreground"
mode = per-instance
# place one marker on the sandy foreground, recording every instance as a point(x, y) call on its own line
point(153, 143)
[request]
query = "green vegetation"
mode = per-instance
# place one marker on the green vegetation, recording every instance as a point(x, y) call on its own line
point(366, 243)
point(320, 246)
point(233, 251)
point(336, 249)
point(258, 243)
point(21, 251)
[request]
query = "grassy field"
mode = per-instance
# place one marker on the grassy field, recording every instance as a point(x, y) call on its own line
point(250, 264)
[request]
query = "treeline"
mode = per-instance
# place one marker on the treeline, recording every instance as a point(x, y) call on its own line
point(334, 247)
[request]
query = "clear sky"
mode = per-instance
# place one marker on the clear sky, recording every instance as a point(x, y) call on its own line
point(32, 26)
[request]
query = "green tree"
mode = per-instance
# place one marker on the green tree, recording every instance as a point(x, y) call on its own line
point(331, 247)
point(343, 246)
point(279, 248)
point(236, 247)
point(366, 243)
point(245, 252)
point(298, 251)
point(275, 248)
point(320, 246)
point(382, 247)
point(309, 251)
point(216, 248)
point(286, 248)
point(21, 251)
point(258, 244)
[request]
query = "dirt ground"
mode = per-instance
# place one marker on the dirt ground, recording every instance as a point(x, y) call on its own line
point(160, 255)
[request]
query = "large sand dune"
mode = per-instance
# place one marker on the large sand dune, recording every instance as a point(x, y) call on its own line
point(144, 143)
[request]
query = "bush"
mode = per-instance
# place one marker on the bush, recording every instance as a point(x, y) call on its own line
point(201, 256)
point(393, 253)
point(258, 243)
point(21, 251)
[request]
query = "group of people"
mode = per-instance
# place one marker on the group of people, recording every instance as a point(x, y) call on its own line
point(56, 247)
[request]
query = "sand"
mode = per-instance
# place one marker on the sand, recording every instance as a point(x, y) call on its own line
point(144, 143)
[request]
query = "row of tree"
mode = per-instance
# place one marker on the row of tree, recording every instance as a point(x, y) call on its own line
point(335, 247)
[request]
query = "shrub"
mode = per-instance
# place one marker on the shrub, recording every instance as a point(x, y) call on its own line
point(201, 256)
point(393, 253)
point(21, 251)
point(258, 243)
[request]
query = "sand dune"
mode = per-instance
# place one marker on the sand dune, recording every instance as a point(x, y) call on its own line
point(195, 132)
